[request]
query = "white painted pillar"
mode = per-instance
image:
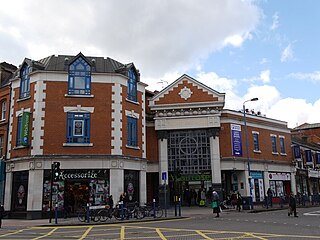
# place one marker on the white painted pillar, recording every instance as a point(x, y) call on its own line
point(143, 187)
point(215, 160)
point(266, 181)
point(8, 191)
point(35, 190)
point(116, 183)
point(247, 184)
point(293, 183)
point(163, 157)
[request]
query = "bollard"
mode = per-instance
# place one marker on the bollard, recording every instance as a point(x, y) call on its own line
point(88, 213)
point(122, 212)
point(179, 207)
point(175, 206)
point(56, 214)
point(154, 208)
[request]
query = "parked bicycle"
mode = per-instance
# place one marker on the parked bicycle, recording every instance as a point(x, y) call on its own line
point(93, 213)
point(149, 210)
point(130, 211)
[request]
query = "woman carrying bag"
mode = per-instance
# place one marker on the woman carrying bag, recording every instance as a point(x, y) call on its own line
point(215, 203)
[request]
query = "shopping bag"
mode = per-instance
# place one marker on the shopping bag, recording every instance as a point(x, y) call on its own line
point(201, 203)
point(214, 204)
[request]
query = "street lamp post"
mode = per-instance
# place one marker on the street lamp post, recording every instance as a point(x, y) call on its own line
point(247, 148)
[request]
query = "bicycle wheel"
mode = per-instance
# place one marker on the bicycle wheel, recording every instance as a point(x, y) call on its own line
point(104, 214)
point(82, 216)
point(159, 212)
point(117, 214)
point(95, 216)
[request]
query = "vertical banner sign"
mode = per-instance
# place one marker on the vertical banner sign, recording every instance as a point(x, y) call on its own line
point(297, 153)
point(308, 156)
point(236, 140)
point(25, 128)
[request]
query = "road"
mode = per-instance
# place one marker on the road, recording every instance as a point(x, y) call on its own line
point(231, 225)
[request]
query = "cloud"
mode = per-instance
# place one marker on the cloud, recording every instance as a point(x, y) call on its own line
point(287, 54)
point(263, 61)
point(314, 76)
point(265, 76)
point(275, 22)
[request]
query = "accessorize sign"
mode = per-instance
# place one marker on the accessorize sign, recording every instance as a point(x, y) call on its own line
point(236, 140)
point(25, 128)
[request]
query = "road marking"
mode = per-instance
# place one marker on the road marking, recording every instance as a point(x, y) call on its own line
point(86, 233)
point(15, 232)
point(202, 234)
point(46, 235)
point(160, 234)
point(122, 232)
point(315, 213)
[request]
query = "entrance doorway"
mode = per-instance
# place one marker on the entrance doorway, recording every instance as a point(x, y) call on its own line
point(76, 194)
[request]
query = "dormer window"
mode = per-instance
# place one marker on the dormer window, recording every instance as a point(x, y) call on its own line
point(25, 82)
point(132, 85)
point(79, 82)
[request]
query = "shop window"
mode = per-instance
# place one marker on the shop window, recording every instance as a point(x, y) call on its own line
point(78, 128)
point(282, 148)
point(256, 141)
point(3, 110)
point(20, 191)
point(79, 78)
point(25, 82)
point(131, 185)
point(132, 85)
point(132, 140)
point(274, 144)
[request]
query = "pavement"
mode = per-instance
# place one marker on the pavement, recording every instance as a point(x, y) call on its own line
point(192, 211)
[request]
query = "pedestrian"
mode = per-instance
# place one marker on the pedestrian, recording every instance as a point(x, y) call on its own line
point(269, 194)
point(215, 203)
point(110, 201)
point(292, 205)
point(239, 201)
point(1, 214)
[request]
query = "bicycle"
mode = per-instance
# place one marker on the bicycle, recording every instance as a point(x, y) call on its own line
point(93, 213)
point(149, 210)
point(122, 212)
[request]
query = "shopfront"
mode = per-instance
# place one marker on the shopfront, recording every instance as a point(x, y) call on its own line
point(257, 186)
point(280, 184)
point(302, 181)
point(19, 191)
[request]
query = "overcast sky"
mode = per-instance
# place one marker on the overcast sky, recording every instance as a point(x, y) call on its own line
point(248, 48)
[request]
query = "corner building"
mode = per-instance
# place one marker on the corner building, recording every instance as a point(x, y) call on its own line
point(88, 113)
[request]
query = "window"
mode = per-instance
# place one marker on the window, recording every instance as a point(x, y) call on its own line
point(78, 128)
point(3, 110)
point(132, 85)
point(256, 141)
point(79, 78)
point(274, 144)
point(1, 145)
point(132, 132)
point(282, 148)
point(25, 82)
point(19, 131)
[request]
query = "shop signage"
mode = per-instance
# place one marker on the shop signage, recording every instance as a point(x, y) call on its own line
point(301, 172)
point(256, 175)
point(236, 140)
point(83, 174)
point(24, 137)
point(314, 174)
point(190, 178)
point(280, 176)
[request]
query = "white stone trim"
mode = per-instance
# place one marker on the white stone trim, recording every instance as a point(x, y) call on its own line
point(9, 144)
point(116, 123)
point(19, 112)
point(132, 114)
point(38, 118)
point(78, 108)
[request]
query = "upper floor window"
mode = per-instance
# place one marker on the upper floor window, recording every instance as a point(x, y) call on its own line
point(282, 148)
point(132, 132)
point(78, 127)
point(3, 110)
point(1, 145)
point(79, 82)
point(25, 82)
point(256, 141)
point(132, 85)
point(274, 143)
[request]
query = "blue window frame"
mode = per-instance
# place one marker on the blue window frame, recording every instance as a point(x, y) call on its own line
point(79, 82)
point(78, 128)
point(132, 132)
point(274, 144)
point(25, 82)
point(19, 131)
point(282, 148)
point(132, 85)
point(256, 141)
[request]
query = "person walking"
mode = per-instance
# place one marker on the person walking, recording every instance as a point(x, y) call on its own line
point(292, 205)
point(216, 203)
point(270, 195)
point(1, 214)
point(239, 201)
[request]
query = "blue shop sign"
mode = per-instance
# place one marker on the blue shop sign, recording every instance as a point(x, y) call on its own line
point(256, 175)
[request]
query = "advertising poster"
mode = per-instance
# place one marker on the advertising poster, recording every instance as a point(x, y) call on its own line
point(236, 140)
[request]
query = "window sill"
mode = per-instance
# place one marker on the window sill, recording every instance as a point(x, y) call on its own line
point(131, 101)
point(283, 154)
point(23, 99)
point(256, 151)
point(20, 147)
point(133, 147)
point(79, 96)
point(77, 144)
point(275, 153)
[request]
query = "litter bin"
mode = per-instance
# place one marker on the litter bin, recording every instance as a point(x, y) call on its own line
point(246, 203)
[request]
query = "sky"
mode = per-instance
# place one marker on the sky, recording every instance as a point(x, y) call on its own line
point(267, 49)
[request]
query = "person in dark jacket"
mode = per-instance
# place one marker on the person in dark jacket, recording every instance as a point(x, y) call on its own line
point(292, 205)
point(1, 214)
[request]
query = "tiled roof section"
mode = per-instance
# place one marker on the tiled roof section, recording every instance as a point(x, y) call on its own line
point(301, 142)
point(307, 126)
